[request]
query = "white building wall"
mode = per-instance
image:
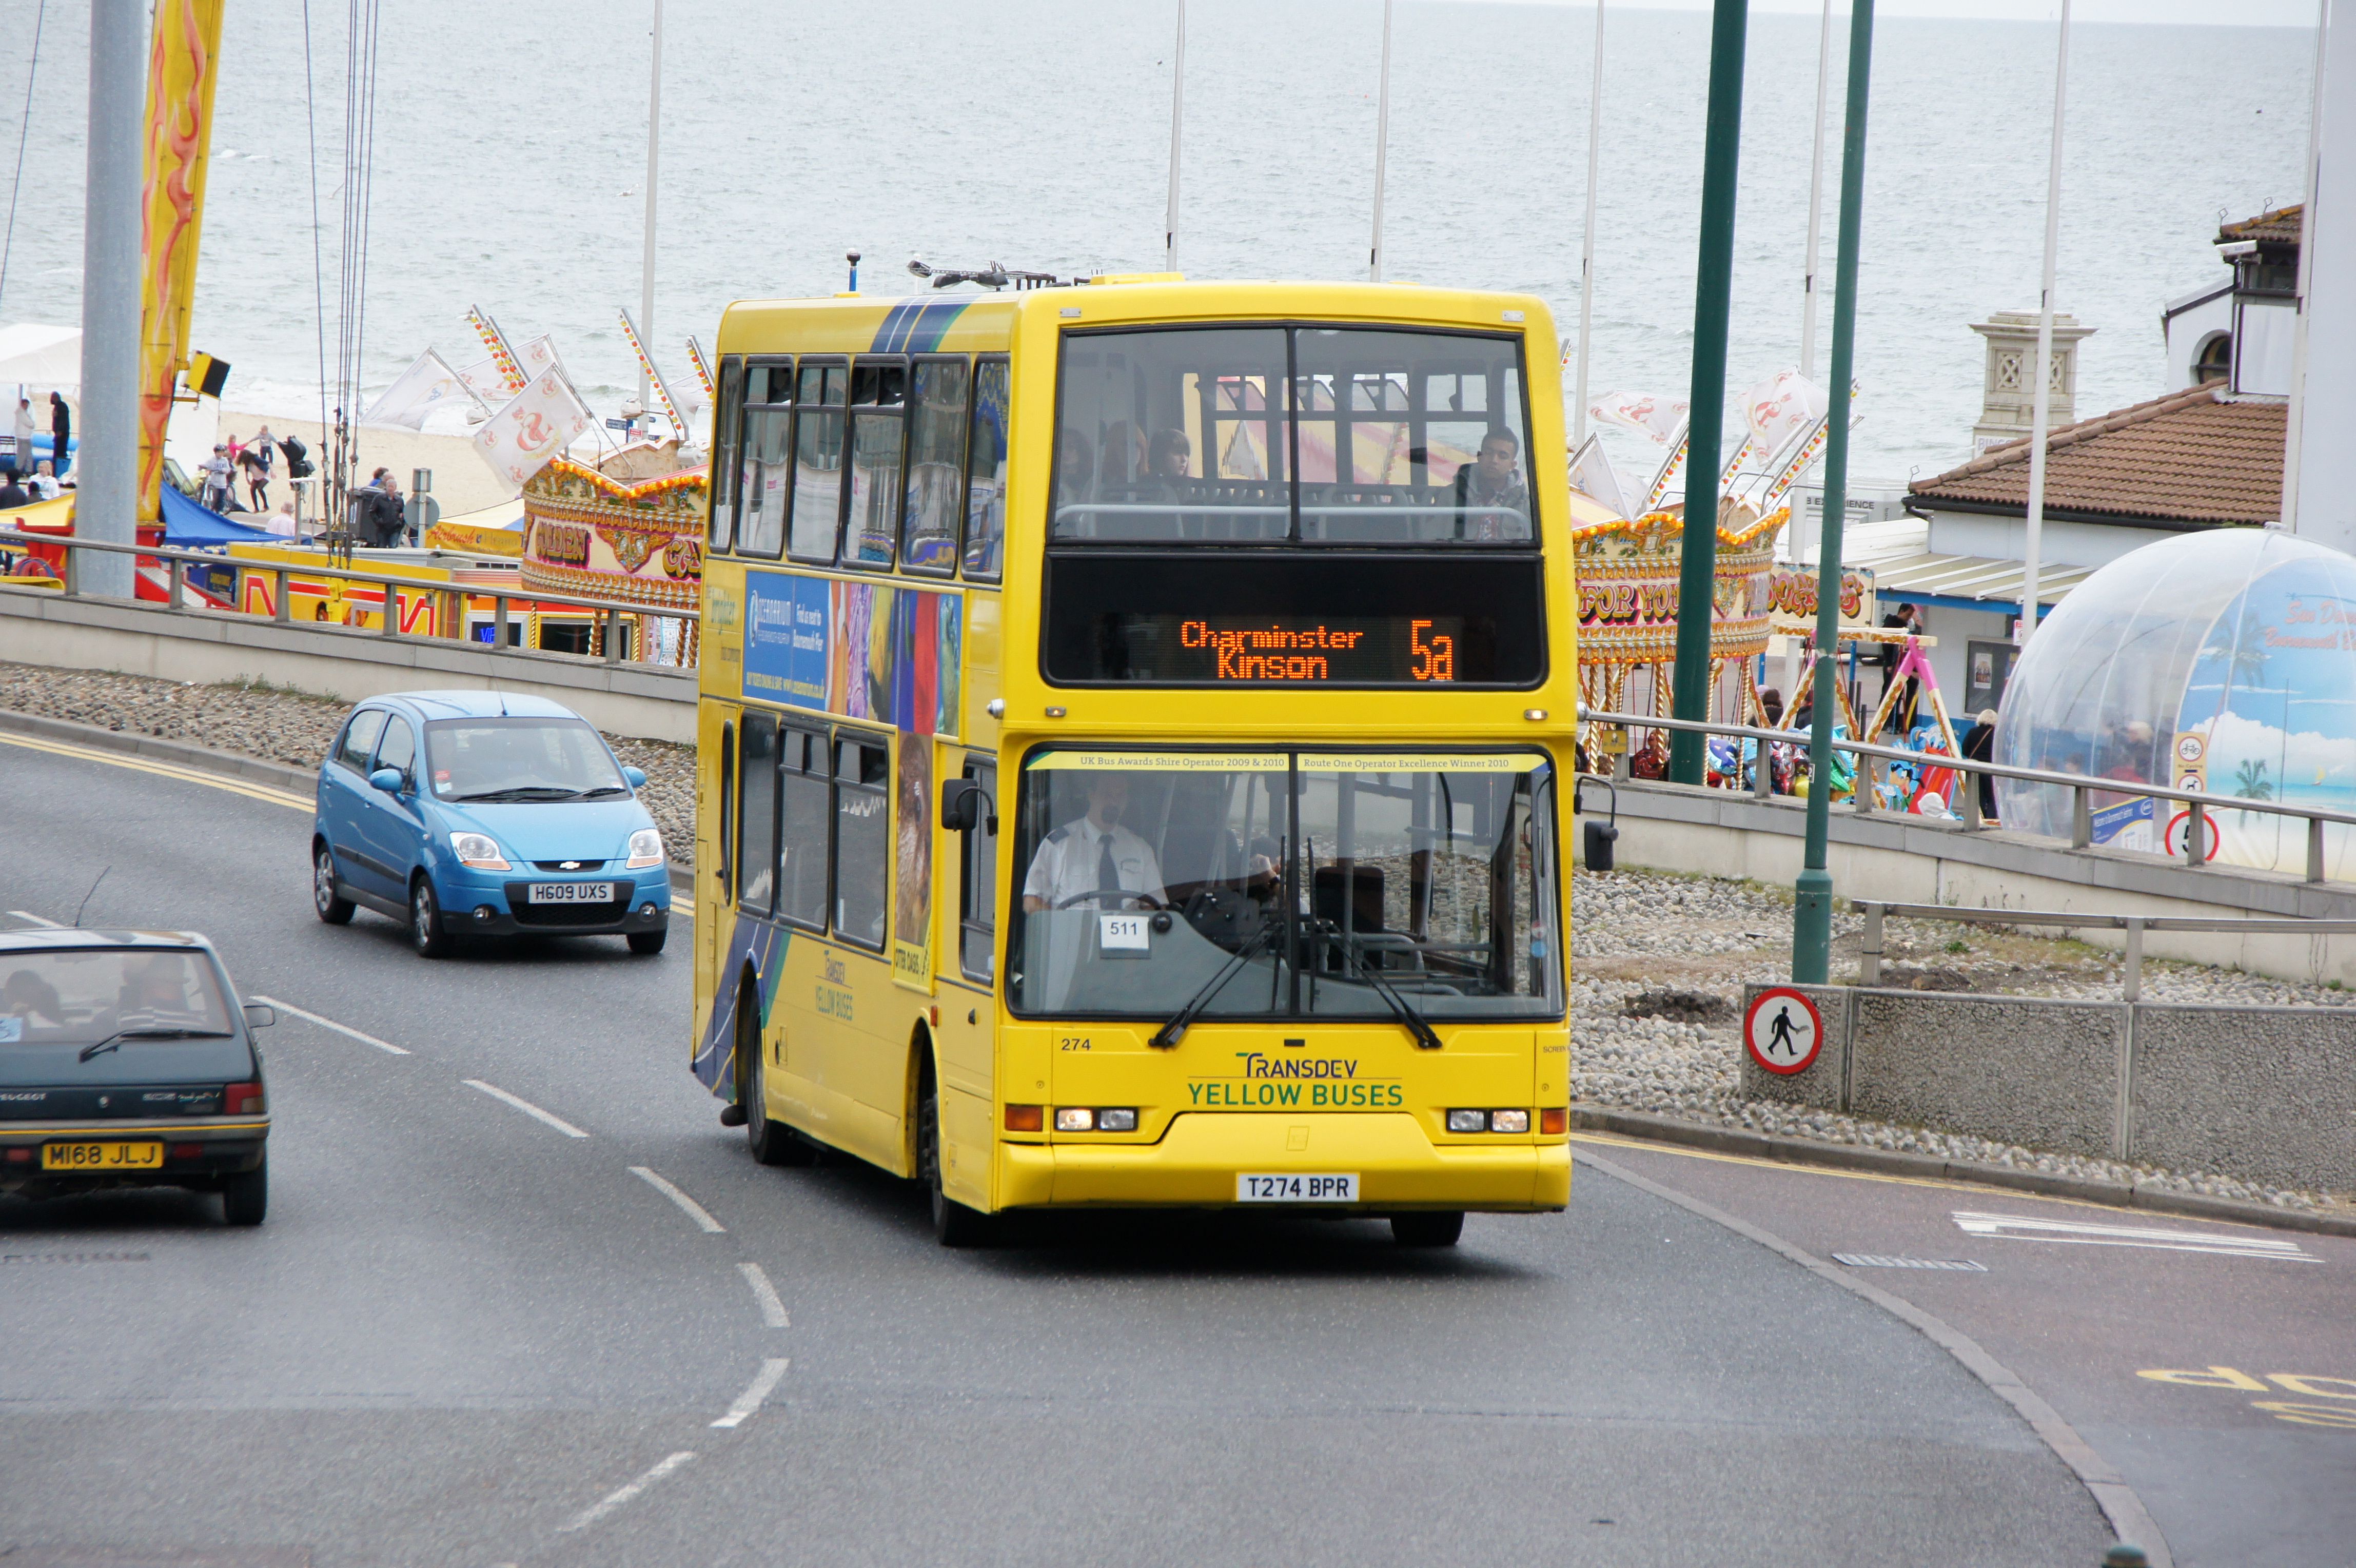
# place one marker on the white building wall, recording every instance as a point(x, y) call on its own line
point(2058, 544)
point(2324, 507)
point(2187, 324)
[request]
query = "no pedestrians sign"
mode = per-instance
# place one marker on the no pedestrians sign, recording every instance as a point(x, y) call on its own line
point(1782, 1031)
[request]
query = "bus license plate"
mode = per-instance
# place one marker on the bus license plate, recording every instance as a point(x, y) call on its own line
point(571, 893)
point(1297, 1188)
point(102, 1157)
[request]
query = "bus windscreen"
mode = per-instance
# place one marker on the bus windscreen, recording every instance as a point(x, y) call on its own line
point(1353, 436)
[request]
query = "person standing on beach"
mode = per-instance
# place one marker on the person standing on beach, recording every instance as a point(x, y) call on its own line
point(256, 469)
point(60, 432)
point(265, 448)
point(20, 461)
point(219, 490)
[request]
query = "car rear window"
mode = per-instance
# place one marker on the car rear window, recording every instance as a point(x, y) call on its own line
point(167, 1005)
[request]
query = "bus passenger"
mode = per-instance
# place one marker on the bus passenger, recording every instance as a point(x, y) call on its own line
point(1094, 853)
point(1492, 501)
point(1171, 454)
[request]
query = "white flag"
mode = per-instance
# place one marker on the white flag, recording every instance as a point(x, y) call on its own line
point(1591, 474)
point(540, 421)
point(538, 357)
point(487, 380)
point(417, 391)
point(1659, 417)
point(1783, 407)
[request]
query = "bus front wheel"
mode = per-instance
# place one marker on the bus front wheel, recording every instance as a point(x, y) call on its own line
point(954, 1225)
point(1427, 1228)
point(773, 1142)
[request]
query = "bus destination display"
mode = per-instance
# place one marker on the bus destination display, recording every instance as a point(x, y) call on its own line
point(1231, 619)
point(1354, 650)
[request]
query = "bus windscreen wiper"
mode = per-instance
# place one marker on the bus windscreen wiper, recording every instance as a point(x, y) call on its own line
point(1167, 1035)
point(1399, 1005)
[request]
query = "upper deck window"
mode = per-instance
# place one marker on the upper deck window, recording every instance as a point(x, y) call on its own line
point(760, 492)
point(1309, 434)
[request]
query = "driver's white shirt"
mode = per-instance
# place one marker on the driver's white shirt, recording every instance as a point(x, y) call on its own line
point(1065, 865)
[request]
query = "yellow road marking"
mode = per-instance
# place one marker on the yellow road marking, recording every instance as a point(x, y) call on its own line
point(146, 764)
point(1883, 1176)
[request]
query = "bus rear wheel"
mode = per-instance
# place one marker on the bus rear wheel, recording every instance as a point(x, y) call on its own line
point(1428, 1228)
point(954, 1225)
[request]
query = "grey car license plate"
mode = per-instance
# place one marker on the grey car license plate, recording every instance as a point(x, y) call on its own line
point(571, 893)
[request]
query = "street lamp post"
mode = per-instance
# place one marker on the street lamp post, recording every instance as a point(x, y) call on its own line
point(1705, 416)
point(1811, 916)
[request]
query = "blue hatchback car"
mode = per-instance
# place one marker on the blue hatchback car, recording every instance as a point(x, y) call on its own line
point(485, 812)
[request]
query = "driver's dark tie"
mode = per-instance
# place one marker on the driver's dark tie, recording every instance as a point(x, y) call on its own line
point(1108, 873)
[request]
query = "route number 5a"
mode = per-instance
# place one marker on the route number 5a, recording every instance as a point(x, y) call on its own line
point(1434, 659)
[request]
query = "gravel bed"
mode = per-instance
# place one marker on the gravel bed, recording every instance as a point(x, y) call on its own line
point(1718, 935)
point(256, 719)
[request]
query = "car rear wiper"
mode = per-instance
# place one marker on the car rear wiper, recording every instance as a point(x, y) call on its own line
point(1169, 1033)
point(1407, 1015)
point(114, 1040)
point(526, 792)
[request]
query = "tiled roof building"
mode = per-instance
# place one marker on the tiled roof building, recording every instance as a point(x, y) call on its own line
point(2189, 460)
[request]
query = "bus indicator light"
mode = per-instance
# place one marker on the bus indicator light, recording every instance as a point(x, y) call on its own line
point(1026, 1118)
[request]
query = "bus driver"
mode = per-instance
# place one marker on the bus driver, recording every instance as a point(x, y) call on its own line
point(1094, 853)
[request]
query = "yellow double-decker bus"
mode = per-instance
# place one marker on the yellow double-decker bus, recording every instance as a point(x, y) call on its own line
point(1132, 715)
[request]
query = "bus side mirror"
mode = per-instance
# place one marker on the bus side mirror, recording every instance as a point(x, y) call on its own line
point(960, 806)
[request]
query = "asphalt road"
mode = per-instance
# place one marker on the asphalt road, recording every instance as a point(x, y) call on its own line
point(469, 1337)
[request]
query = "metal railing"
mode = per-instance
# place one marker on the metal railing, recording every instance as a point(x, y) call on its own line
point(177, 562)
point(2198, 802)
point(1871, 951)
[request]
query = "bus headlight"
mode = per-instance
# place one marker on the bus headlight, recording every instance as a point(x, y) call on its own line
point(1468, 1121)
point(1509, 1121)
point(478, 852)
point(1075, 1119)
point(1124, 1121)
point(645, 849)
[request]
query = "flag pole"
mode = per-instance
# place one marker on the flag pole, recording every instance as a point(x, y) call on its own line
point(1812, 910)
point(1177, 123)
point(646, 270)
point(1816, 197)
point(2041, 400)
point(1587, 233)
point(1382, 148)
point(1705, 409)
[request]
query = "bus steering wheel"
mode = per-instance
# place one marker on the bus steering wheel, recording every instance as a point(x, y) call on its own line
point(1145, 898)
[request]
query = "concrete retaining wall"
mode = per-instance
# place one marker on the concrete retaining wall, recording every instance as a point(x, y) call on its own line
point(2257, 1093)
point(46, 629)
point(2044, 1074)
point(2268, 1094)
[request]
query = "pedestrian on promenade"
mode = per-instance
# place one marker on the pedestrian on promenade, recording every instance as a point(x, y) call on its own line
point(60, 431)
point(256, 469)
point(217, 482)
point(20, 457)
point(1979, 745)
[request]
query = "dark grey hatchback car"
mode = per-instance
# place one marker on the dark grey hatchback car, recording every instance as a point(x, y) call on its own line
point(126, 1060)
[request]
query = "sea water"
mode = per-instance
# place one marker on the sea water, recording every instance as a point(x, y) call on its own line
point(510, 164)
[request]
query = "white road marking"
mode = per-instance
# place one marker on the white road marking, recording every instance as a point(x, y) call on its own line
point(2085, 1233)
point(772, 1311)
point(330, 1024)
point(693, 1210)
point(750, 1400)
point(36, 919)
point(621, 1494)
point(526, 1106)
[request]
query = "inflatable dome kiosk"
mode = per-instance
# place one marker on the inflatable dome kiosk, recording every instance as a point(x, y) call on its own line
point(2223, 660)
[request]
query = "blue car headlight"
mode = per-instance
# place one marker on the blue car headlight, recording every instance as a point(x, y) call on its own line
point(645, 849)
point(479, 852)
